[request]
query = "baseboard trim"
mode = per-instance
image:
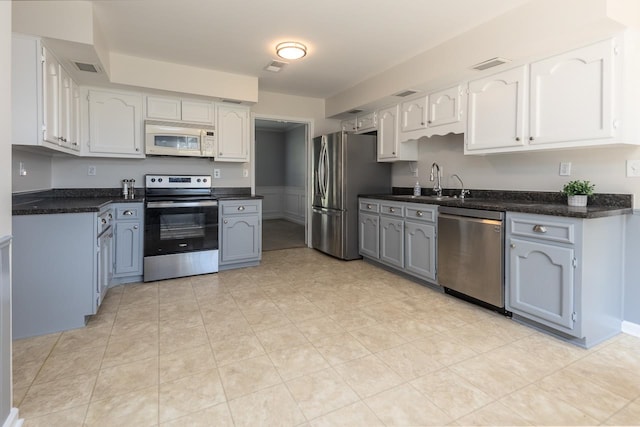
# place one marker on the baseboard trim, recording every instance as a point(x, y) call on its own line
point(631, 328)
point(13, 420)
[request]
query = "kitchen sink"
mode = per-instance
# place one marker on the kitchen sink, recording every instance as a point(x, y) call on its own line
point(408, 196)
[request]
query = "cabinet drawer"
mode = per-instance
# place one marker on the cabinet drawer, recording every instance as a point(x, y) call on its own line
point(392, 209)
point(240, 207)
point(543, 228)
point(135, 211)
point(426, 213)
point(369, 206)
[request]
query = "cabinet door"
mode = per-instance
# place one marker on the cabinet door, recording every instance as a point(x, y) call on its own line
point(572, 95)
point(414, 114)
point(349, 125)
point(51, 95)
point(367, 122)
point(420, 249)
point(392, 241)
point(541, 283)
point(74, 120)
point(163, 108)
point(445, 107)
point(369, 234)
point(65, 108)
point(496, 116)
point(128, 248)
point(115, 123)
point(233, 133)
point(198, 111)
point(388, 133)
point(241, 238)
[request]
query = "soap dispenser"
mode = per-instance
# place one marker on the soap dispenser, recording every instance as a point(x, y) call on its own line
point(417, 190)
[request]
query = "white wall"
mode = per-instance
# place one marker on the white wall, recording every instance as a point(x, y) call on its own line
point(38, 167)
point(5, 214)
point(536, 171)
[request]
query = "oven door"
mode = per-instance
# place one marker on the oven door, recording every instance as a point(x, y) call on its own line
point(173, 227)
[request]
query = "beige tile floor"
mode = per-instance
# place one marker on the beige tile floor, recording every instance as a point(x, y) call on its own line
point(307, 340)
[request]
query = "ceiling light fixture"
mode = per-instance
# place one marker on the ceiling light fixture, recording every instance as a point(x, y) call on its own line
point(291, 50)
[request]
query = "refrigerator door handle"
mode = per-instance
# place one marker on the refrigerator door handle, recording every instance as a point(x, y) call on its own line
point(326, 170)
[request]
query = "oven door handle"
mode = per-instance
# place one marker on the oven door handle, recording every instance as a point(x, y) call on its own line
point(182, 204)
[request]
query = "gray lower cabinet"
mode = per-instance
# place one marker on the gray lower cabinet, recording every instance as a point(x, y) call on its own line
point(128, 241)
point(562, 275)
point(55, 265)
point(400, 235)
point(240, 233)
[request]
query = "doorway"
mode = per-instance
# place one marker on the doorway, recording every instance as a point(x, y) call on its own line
point(280, 177)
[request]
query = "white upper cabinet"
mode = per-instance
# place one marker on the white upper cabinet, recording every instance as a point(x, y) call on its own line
point(445, 107)
point(497, 112)
point(51, 93)
point(349, 125)
point(233, 133)
point(115, 124)
point(390, 149)
point(163, 108)
point(414, 114)
point(367, 122)
point(572, 96)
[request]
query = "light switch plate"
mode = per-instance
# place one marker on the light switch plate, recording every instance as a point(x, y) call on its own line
point(565, 169)
point(633, 168)
point(245, 173)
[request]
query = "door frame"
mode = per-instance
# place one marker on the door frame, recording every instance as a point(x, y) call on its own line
point(309, 124)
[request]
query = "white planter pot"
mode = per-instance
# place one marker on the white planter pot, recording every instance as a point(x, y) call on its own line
point(577, 200)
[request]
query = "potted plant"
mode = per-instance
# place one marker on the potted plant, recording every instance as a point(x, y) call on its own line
point(577, 192)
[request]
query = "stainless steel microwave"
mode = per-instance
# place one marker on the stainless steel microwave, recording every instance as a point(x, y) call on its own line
point(179, 139)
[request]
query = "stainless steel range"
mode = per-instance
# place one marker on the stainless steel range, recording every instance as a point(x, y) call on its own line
point(181, 226)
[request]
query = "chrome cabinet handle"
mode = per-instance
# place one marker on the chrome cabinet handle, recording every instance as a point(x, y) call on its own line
point(539, 228)
point(530, 138)
point(419, 213)
point(225, 221)
point(103, 221)
point(392, 210)
point(110, 216)
point(512, 246)
point(517, 138)
point(240, 208)
point(135, 227)
point(127, 212)
point(369, 206)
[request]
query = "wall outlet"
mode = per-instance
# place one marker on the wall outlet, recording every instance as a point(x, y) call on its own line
point(245, 173)
point(23, 169)
point(565, 169)
point(91, 170)
point(216, 173)
point(633, 168)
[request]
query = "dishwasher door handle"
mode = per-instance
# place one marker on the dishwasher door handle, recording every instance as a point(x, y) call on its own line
point(471, 219)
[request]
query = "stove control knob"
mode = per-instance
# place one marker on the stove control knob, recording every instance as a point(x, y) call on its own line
point(204, 179)
point(199, 180)
point(159, 179)
point(153, 180)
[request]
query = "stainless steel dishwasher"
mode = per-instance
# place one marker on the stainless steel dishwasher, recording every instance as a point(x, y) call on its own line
point(471, 254)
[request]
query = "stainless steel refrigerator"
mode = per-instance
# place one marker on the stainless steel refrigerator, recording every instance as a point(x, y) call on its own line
point(344, 166)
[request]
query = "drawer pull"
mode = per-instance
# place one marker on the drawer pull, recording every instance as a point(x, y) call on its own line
point(127, 213)
point(419, 213)
point(240, 208)
point(135, 227)
point(369, 206)
point(392, 210)
point(539, 228)
point(513, 246)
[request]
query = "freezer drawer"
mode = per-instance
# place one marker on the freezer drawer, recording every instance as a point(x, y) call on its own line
point(329, 232)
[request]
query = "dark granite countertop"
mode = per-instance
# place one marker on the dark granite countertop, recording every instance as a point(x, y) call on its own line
point(540, 203)
point(76, 200)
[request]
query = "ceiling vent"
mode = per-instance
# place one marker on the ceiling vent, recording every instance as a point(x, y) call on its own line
point(275, 66)
point(231, 101)
point(405, 93)
point(493, 62)
point(89, 68)
point(356, 111)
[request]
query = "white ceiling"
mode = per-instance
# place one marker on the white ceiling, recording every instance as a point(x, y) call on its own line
point(348, 40)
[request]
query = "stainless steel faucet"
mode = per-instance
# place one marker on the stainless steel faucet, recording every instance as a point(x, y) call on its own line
point(437, 187)
point(462, 190)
